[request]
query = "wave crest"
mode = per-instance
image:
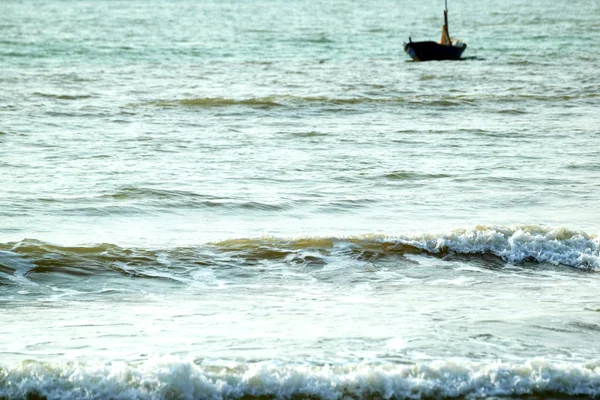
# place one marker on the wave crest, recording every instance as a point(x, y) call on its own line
point(557, 246)
point(290, 100)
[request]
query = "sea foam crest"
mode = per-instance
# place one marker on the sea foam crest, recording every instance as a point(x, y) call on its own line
point(169, 378)
point(526, 243)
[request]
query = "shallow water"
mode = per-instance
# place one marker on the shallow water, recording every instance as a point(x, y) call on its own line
point(246, 199)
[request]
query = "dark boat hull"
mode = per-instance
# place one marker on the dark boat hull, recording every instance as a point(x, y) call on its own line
point(429, 51)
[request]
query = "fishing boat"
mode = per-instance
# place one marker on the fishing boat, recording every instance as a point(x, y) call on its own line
point(446, 49)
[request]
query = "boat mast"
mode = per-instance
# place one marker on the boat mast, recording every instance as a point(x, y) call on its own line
point(446, 23)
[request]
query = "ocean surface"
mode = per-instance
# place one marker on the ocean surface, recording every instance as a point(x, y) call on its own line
point(268, 199)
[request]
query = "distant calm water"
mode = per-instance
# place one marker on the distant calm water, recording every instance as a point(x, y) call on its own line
point(267, 199)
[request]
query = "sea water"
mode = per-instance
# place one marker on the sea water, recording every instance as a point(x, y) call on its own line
point(268, 199)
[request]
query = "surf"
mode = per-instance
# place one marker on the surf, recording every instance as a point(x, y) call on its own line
point(169, 377)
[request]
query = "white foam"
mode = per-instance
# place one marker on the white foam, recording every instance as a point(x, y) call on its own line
point(559, 246)
point(168, 377)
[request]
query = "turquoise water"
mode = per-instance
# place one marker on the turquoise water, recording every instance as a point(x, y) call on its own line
point(268, 198)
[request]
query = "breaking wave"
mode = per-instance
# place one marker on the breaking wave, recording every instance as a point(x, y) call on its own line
point(557, 246)
point(173, 378)
point(537, 244)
